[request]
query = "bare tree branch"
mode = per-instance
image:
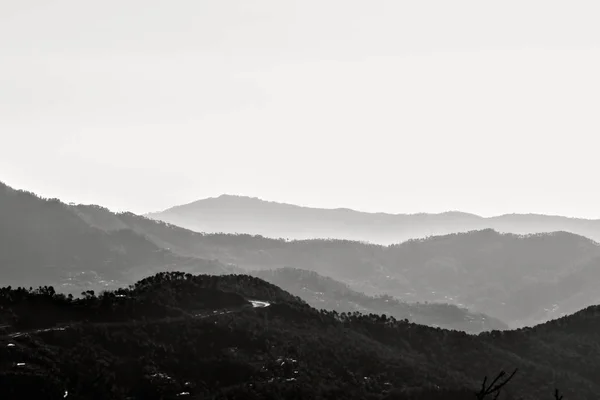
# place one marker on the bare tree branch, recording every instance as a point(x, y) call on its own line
point(494, 388)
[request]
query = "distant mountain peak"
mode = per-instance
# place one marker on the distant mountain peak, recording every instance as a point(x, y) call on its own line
point(226, 196)
point(228, 199)
point(230, 213)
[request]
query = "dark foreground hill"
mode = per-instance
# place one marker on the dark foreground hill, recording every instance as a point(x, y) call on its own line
point(323, 292)
point(239, 214)
point(181, 336)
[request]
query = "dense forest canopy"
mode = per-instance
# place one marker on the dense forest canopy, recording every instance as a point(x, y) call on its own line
point(196, 335)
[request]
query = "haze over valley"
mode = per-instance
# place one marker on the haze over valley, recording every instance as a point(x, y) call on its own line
point(299, 199)
point(413, 300)
point(442, 303)
point(517, 279)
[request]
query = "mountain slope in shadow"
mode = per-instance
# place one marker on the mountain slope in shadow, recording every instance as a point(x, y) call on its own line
point(43, 241)
point(326, 293)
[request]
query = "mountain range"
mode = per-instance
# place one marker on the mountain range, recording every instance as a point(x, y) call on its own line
point(318, 318)
point(44, 241)
point(240, 214)
point(518, 279)
point(79, 248)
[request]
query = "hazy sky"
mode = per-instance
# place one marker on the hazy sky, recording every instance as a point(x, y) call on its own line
point(398, 106)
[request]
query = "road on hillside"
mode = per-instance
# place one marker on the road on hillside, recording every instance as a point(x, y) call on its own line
point(255, 304)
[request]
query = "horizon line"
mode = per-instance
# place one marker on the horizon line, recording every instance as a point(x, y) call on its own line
point(355, 210)
point(262, 200)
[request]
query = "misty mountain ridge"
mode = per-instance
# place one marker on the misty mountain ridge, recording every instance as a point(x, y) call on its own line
point(519, 277)
point(521, 280)
point(44, 241)
point(87, 247)
point(251, 215)
point(484, 271)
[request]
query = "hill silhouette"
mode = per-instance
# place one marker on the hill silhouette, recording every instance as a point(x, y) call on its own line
point(174, 344)
point(240, 214)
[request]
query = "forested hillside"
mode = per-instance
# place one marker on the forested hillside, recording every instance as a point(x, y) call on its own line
point(325, 293)
point(179, 338)
point(42, 241)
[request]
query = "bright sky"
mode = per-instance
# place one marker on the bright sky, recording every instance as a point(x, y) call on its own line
point(398, 106)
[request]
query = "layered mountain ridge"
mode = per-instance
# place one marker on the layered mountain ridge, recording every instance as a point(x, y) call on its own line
point(43, 241)
point(519, 279)
point(240, 214)
point(81, 247)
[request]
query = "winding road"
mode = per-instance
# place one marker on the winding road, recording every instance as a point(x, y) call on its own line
point(259, 304)
point(255, 304)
